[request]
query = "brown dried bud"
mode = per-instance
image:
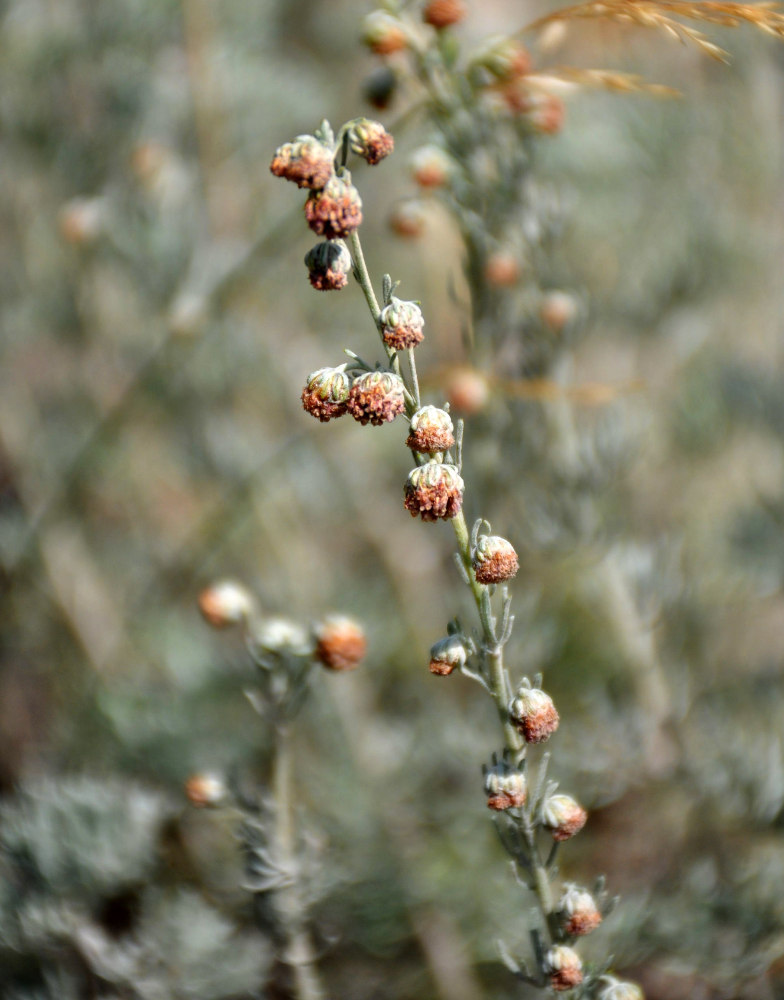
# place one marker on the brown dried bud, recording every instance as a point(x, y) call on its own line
point(328, 264)
point(467, 390)
point(434, 491)
point(205, 790)
point(502, 269)
point(494, 559)
point(326, 394)
point(225, 603)
point(432, 166)
point(376, 398)
point(503, 58)
point(370, 140)
point(578, 912)
point(431, 431)
point(506, 787)
point(401, 324)
point(447, 655)
point(564, 967)
point(336, 210)
point(383, 33)
point(443, 13)
point(533, 713)
point(408, 219)
point(619, 989)
point(340, 643)
point(305, 161)
point(562, 816)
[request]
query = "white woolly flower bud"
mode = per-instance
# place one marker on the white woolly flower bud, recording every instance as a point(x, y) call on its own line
point(225, 603)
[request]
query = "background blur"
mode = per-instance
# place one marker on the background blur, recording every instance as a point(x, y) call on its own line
point(157, 328)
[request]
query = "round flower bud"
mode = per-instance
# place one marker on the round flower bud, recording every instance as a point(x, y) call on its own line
point(401, 324)
point(533, 714)
point(557, 310)
point(503, 58)
point(82, 220)
point(328, 264)
point(578, 911)
point(467, 391)
point(408, 219)
point(326, 393)
point(376, 398)
point(340, 642)
point(431, 431)
point(545, 114)
point(305, 161)
point(434, 491)
point(371, 141)
point(383, 33)
point(432, 166)
point(494, 560)
point(443, 13)
point(282, 636)
point(562, 816)
point(619, 989)
point(447, 655)
point(205, 790)
point(225, 603)
point(506, 788)
point(379, 88)
point(335, 211)
point(502, 269)
point(564, 967)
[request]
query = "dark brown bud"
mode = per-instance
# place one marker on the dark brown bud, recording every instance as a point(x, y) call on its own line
point(328, 264)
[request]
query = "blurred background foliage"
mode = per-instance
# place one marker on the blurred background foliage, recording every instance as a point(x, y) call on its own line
point(157, 327)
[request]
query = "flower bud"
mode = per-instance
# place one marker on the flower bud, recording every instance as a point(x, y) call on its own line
point(305, 161)
point(383, 33)
point(502, 269)
point(370, 140)
point(379, 88)
point(503, 58)
point(545, 113)
point(578, 911)
point(376, 398)
point(408, 219)
point(82, 220)
point(562, 816)
point(443, 13)
point(432, 166)
point(557, 310)
point(225, 603)
point(447, 655)
point(564, 967)
point(619, 989)
point(494, 559)
point(506, 787)
point(401, 324)
point(205, 790)
point(326, 393)
point(467, 390)
point(335, 211)
point(434, 491)
point(340, 642)
point(533, 714)
point(431, 431)
point(328, 264)
point(281, 636)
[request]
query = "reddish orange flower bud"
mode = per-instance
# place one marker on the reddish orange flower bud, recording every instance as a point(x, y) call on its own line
point(431, 431)
point(562, 816)
point(564, 967)
point(443, 13)
point(447, 655)
point(370, 140)
point(533, 713)
point(326, 394)
point(306, 162)
point(432, 166)
point(506, 787)
point(494, 560)
point(434, 491)
point(335, 211)
point(205, 790)
point(383, 33)
point(578, 911)
point(340, 643)
point(467, 390)
point(401, 324)
point(376, 397)
point(225, 603)
point(557, 310)
point(502, 269)
point(408, 219)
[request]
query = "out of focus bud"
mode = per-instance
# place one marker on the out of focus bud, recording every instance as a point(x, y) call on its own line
point(619, 989)
point(533, 714)
point(431, 431)
point(443, 13)
point(281, 636)
point(205, 789)
point(408, 219)
point(434, 491)
point(564, 967)
point(506, 787)
point(557, 310)
point(82, 220)
point(383, 33)
point(578, 912)
point(432, 166)
point(447, 655)
point(494, 559)
point(401, 324)
point(503, 58)
point(336, 210)
point(562, 816)
point(376, 398)
point(326, 394)
point(502, 269)
point(225, 603)
point(467, 391)
point(340, 642)
point(379, 88)
point(306, 161)
point(328, 264)
point(545, 113)
point(370, 140)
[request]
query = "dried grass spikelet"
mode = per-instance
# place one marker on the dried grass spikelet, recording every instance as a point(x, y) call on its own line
point(564, 79)
point(663, 15)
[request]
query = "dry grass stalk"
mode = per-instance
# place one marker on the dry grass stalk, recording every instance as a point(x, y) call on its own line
point(607, 79)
